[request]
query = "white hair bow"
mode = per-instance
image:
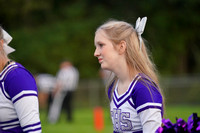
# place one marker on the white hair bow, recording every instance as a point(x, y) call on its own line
point(139, 27)
point(7, 38)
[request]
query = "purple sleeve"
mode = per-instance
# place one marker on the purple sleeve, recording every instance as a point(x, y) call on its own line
point(19, 80)
point(146, 95)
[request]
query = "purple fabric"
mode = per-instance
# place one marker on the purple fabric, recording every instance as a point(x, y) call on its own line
point(141, 91)
point(13, 130)
point(132, 132)
point(18, 80)
point(145, 92)
point(121, 97)
point(15, 81)
point(9, 121)
point(191, 126)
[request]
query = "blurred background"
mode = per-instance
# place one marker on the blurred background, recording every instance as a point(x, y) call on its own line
point(47, 31)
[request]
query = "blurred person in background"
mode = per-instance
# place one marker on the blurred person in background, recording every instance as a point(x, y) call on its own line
point(66, 82)
point(19, 109)
point(136, 101)
point(45, 83)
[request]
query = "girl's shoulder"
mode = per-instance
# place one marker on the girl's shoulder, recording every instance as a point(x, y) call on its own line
point(19, 79)
point(146, 82)
point(146, 91)
point(16, 69)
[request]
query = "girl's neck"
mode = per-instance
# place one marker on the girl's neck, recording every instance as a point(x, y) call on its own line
point(124, 74)
point(3, 62)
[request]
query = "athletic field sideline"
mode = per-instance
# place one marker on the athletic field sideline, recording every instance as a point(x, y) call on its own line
point(84, 121)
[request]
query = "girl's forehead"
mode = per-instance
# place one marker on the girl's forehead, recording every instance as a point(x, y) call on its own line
point(100, 37)
point(100, 33)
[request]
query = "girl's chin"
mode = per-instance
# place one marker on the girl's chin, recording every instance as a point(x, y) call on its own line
point(104, 67)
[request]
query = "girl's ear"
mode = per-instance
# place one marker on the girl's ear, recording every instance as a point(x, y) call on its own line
point(122, 47)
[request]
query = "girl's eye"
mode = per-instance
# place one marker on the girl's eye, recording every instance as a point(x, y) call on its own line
point(101, 45)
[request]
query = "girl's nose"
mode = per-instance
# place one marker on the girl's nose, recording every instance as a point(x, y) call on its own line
point(96, 53)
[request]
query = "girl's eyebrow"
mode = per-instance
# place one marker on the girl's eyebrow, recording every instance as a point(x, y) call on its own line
point(99, 42)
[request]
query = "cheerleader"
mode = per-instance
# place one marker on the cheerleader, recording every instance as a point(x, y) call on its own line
point(136, 101)
point(18, 94)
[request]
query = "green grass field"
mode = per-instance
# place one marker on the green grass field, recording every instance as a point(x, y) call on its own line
point(84, 123)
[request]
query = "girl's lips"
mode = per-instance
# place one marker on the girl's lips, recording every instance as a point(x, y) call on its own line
point(100, 60)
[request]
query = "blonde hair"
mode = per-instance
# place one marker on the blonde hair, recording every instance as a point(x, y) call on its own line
point(136, 58)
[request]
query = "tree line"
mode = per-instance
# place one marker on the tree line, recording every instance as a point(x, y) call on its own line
point(48, 31)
